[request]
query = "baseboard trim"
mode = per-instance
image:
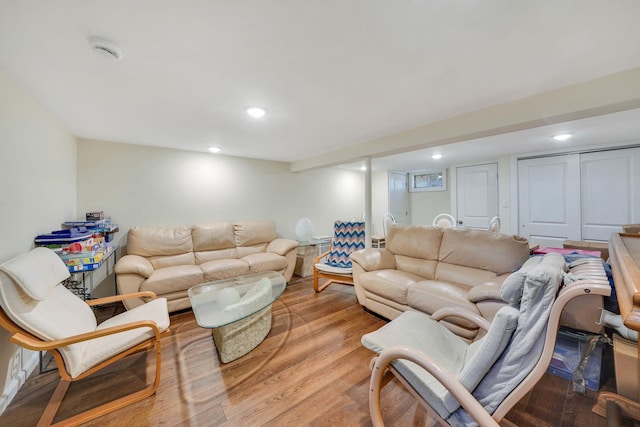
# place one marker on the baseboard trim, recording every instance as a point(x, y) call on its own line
point(11, 390)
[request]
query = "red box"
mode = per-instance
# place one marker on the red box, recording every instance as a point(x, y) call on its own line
point(565, 251)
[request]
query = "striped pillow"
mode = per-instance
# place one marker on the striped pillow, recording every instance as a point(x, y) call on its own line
point(348, 236)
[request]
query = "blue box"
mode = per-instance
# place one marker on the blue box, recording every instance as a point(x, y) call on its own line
point(567, 354)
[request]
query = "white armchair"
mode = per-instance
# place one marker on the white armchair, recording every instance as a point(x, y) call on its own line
point(42, 315)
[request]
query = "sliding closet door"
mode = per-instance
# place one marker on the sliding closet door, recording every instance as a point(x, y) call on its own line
point(549, 199)
point(610, 192)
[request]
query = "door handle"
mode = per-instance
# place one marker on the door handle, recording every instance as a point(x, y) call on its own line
point(460, 222)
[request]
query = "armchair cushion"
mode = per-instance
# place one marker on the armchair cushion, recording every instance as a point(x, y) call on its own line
point(326, 268)
point(513, 286)
point(347, 238)
point(61, 314)
point(469, 362)
point(37, 283)
point(102, 348)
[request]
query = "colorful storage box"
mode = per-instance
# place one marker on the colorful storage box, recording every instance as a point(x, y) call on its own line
point(567, 354)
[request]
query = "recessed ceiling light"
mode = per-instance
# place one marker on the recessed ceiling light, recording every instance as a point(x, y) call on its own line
point(436, 156)
point(214, 149)
point(255, 111)
point(562, 137)
point(363, 168)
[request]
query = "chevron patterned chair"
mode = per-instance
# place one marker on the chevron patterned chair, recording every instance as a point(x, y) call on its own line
point(348, 236)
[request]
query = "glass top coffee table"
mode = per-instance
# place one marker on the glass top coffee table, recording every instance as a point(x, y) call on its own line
point(237, 310)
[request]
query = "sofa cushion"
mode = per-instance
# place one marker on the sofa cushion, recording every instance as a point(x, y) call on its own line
point(243, 251)
point(172, 260)
point(223, 269)
point(265, 261)
point(424, 268)
point(430, 295)
point(206, 256)
point(499, 253)
point(414, 241)
point(469, 276)
point(209, 237)
point(171, 279)
point(389, 284)
point(249, 233)
point(159, 241)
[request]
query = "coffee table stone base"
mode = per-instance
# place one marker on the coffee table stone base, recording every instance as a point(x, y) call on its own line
point(239, 338)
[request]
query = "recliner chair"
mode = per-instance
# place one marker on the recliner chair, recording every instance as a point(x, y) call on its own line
point(478, 383)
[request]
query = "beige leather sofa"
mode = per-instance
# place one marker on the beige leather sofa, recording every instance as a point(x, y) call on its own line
point(425, 268)
point(170, 260)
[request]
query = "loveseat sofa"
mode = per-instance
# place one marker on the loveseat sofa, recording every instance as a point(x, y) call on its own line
point(425, 268)
point(170, 260)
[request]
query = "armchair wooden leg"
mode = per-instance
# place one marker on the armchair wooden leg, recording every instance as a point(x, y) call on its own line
point(83, 417)
point(54, 403)
point(320, 288)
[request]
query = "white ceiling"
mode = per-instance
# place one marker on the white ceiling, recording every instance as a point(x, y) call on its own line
point(609, 130)
point(331, 74)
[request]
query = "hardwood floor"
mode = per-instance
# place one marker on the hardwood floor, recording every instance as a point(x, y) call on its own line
point(311, 370)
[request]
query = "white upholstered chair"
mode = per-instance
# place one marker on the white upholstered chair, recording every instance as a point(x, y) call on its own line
point(477, 383)
point(387, 221)
point(444, 220)
point(494, 224)
point(41, 314)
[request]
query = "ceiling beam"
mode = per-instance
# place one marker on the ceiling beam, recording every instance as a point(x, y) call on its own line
point(610, 94)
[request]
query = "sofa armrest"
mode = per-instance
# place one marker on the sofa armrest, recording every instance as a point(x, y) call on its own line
point(488, 290)
point(134, 264)
point(374, 259)
point(281, 246)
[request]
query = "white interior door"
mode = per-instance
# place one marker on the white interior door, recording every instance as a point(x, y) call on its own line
point(399, 197)
point(610, 179)
point(549, 199)
point(476, 195)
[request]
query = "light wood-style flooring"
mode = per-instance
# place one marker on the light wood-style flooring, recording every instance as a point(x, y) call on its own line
point(310, 371)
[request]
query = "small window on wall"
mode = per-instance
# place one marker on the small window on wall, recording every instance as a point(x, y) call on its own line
point(435, 180)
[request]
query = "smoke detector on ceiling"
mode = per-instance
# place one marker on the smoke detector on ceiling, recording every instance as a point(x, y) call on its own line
point(105, 48)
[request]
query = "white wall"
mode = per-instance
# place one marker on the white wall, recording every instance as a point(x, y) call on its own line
point(425, 205)
point(139, 185)
point(38, 175)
